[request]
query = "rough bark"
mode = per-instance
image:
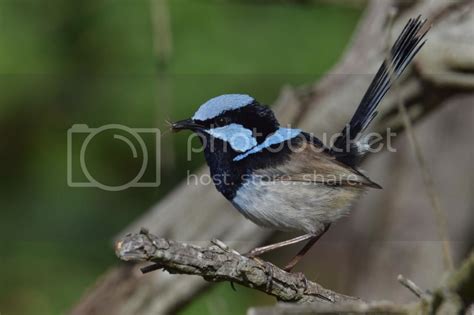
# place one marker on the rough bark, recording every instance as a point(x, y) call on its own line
point(217, 262)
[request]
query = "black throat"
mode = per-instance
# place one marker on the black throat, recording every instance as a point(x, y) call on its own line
point(229, 175)
point(226, 174)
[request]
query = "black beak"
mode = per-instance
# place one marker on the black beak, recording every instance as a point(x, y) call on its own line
point(186, 124)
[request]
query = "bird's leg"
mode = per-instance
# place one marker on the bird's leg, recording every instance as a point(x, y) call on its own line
point(306, 248)
point(264, 249)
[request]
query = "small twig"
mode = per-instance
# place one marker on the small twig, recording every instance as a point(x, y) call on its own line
point(219, 263)
point(410, 285)
point(150, 268)
point(452, 297)
point(223, 246)
point(380, 307)
point(439, 213)
point(161, 27)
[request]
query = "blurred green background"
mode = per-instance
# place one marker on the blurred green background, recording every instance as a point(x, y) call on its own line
point(101, 62)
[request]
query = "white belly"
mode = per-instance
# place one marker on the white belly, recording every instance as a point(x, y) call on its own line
point(294, 206)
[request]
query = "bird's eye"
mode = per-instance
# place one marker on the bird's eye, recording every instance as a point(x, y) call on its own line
point(222, 121)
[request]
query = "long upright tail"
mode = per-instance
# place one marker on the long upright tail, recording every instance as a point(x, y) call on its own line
point(407, 45)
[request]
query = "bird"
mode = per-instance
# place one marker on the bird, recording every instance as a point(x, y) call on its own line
point(285, 178)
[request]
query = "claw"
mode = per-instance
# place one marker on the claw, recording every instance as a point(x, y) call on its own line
point(268, 271)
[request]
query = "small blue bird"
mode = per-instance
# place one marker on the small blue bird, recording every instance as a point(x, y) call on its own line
point(284, 178)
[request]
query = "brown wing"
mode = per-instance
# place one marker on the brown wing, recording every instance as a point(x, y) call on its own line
point(311, 163)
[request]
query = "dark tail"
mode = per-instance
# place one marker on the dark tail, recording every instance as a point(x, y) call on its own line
point(404, 49)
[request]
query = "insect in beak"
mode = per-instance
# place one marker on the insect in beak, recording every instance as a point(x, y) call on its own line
point(186, 124)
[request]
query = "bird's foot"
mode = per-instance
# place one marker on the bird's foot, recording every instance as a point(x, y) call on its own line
point(301, 277)
point(268, 271)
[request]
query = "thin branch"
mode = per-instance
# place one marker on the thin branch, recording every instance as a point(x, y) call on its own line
point(161, 27)
point(383, 307)
point(454, 296)
point(219, 263)
point(410, 285)
point(439, 213)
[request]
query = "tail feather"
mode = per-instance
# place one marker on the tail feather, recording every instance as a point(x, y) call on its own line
point(407, 45)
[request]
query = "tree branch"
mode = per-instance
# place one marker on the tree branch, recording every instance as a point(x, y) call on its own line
point(454, 296)
point(386, 308)
point(218, 262)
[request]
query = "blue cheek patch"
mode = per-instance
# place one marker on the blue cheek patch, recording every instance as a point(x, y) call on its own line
point(281, 135)
point(240, 138)
point(217, 105)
